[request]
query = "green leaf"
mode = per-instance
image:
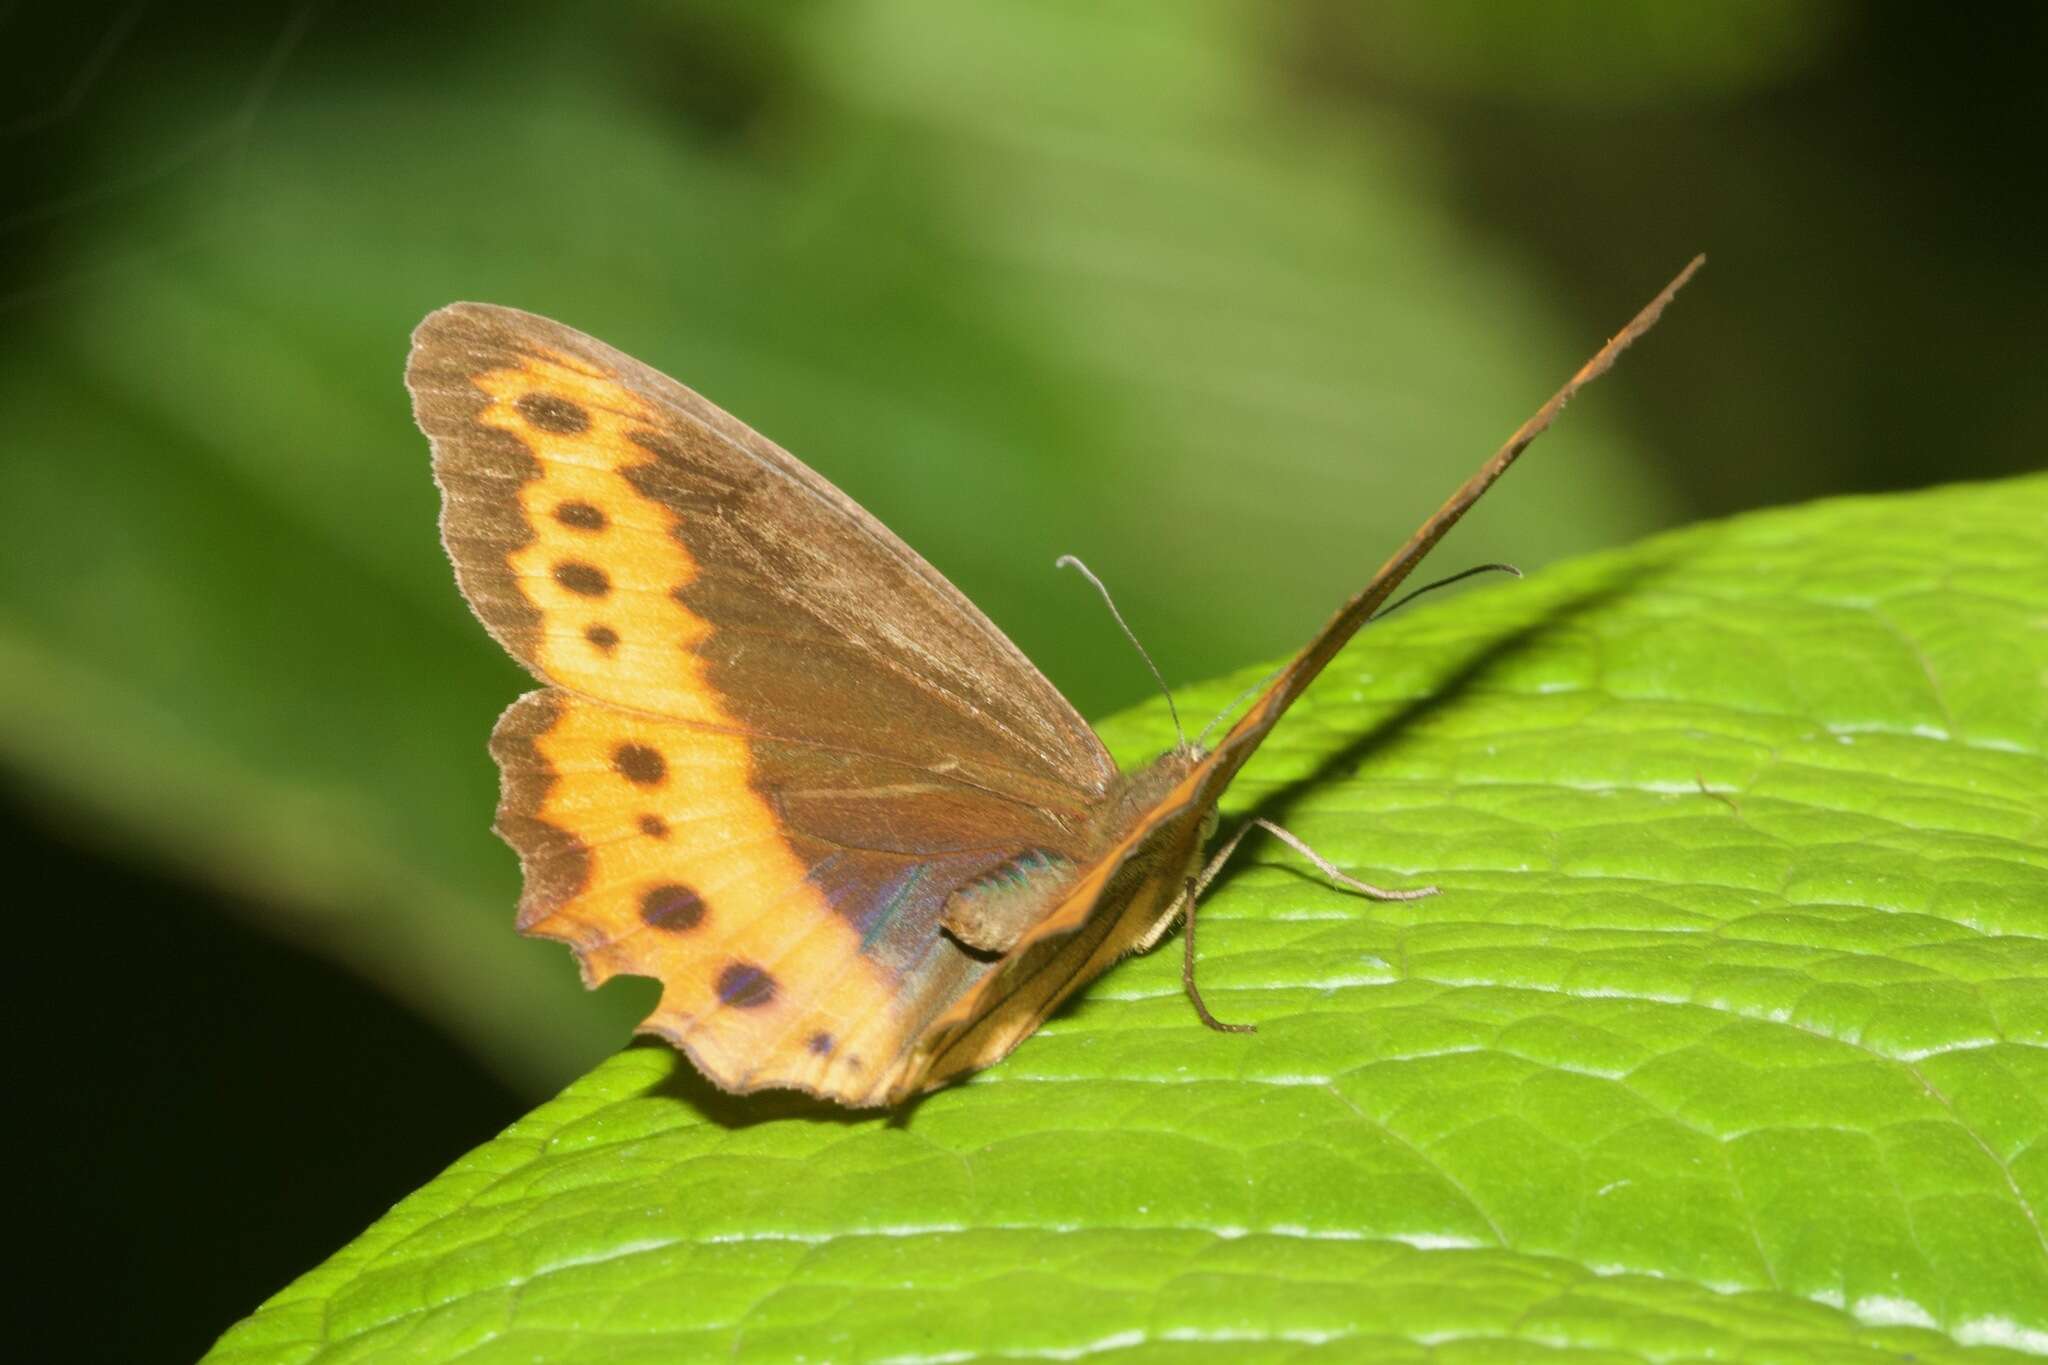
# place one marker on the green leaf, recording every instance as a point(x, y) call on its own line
point(1727, 1036)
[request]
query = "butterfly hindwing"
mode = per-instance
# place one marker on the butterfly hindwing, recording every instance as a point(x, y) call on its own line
point(646, 850)
point(796, 930)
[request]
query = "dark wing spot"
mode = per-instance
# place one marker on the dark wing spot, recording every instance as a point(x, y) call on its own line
point(745, 986)
point(550, 413)
point(585, 580)
point(580, 515)
point(656, 444)
point(603, 637)
point(820, 1043)
point(639, 764)
point(674, 908)
point(654, 827)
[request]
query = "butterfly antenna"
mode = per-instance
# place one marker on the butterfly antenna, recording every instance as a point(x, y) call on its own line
point(1236, 702)
point(1458, 577)
point(1070, 562)
point(1260, 685)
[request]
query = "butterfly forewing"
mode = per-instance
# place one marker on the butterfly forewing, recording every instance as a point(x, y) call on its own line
point(776, 742)
point(624, 538)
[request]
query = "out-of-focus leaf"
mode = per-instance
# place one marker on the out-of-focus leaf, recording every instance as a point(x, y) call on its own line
point(1025, 280)
point(1607, 54)
point(1727, 1037)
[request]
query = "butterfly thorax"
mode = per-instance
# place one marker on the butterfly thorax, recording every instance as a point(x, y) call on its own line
point(1139, 791)
point(1046, 926)
point(989, 914)
point(1171, 848)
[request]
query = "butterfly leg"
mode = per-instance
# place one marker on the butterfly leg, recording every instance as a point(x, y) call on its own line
point(1222, 856)
point(1185, 903)
point(1196, 886)
point(1191, 892)
point(1187, 969)
point(1323, 865)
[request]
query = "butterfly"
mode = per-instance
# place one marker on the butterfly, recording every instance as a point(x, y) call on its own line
point(779, 763)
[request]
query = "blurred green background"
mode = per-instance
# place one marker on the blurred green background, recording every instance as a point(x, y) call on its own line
point(1219, 296)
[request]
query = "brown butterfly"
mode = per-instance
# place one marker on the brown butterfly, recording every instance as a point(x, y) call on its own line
point(781, 764)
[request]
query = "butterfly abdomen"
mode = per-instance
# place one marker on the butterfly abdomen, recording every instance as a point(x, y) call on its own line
point(993, 911)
